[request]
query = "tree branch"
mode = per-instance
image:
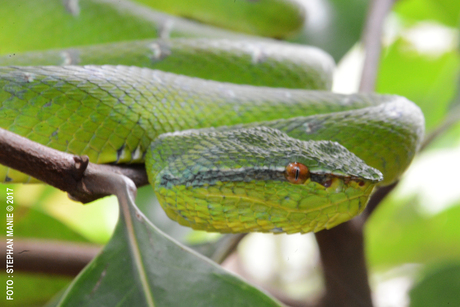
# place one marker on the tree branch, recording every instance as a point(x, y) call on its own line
point(344, 266)
point(69, 173)
point(51, 257)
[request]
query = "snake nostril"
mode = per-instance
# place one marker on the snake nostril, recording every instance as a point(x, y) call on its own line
point(327, 183)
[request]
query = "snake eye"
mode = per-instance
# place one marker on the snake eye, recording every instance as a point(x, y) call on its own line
point(296, 173)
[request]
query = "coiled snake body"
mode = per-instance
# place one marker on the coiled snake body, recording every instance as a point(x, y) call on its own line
point(221, 157)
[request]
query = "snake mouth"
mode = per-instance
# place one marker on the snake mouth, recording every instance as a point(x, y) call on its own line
point(326, 179)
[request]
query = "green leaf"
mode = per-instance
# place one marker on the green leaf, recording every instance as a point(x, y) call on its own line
point(34, 289)
point(428, 81)
point(334, 26)
point(140, 266)
point(30, 223)
point(399, 233)
point(443, 11)
point(440, 287)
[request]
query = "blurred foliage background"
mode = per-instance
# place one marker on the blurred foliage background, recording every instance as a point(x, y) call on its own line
point(412, 239)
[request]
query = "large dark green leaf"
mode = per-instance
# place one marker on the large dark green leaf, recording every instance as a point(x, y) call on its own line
point(140, 266)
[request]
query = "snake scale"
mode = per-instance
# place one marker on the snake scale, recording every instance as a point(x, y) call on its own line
point(237, 134)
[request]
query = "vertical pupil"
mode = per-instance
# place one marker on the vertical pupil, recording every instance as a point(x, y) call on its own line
point(296, 173)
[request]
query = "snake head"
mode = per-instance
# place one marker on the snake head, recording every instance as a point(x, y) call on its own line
point(257, 179)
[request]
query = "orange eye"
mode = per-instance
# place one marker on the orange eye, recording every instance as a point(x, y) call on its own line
point(296, 173)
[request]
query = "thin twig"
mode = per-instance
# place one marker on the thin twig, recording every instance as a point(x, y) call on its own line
point(372, 39)
point(219, 250)
point(226, 246)
point(375, 200)
point(449, 121)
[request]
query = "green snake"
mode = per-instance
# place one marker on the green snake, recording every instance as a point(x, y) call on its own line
point(221, 156)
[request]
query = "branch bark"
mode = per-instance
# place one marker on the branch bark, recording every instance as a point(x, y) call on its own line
point(51, 257)
point(69, 173)
point(344, 266)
